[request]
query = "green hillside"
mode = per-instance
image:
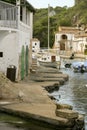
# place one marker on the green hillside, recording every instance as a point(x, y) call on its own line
point(60, 16)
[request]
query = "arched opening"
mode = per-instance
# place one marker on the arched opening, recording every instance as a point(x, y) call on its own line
point(62, 42)
point(64, 37)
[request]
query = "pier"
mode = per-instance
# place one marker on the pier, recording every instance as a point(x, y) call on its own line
point(30, 99)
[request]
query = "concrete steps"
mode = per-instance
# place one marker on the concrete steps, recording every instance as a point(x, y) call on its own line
point(34, 64)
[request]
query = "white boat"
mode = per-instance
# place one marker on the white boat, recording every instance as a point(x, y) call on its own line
point(79, 66)
point(49, 60)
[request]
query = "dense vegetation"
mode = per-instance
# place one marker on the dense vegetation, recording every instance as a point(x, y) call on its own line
point(60, 16)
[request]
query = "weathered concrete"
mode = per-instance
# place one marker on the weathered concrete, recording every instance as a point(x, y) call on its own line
point(49, 75)
point(41, 112)
point(31, 100)
point(59, 75)
point(37, 105)
point(41, 77)
point(52, 87)
point(66, 113)
point(48, 70)
point(63, 106)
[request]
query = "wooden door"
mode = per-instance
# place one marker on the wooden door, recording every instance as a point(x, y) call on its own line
point(53, 58)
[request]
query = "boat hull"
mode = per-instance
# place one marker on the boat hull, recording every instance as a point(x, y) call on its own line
point(80, 67)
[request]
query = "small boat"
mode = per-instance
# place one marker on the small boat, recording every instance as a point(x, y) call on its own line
point(49, 60)
point(79, 67)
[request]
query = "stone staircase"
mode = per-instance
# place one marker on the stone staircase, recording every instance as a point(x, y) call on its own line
point(34, 64)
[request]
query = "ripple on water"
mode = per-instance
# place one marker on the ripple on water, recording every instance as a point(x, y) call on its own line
point(74, 92)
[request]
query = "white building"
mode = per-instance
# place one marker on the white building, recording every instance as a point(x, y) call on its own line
point(69, 40)
point(16, 29)
point(35, 45)
point(80, 44)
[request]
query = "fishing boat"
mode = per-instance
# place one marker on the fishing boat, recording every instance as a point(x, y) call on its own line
point(49, 60)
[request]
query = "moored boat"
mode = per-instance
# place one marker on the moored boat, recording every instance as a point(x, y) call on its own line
point(49, 60)
point(79, 67)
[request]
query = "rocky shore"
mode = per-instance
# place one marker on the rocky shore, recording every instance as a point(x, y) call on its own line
point(30, 99)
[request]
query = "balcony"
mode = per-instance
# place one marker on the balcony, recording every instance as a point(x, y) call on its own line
point(8, 16)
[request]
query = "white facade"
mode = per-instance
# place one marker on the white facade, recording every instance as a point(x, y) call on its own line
point(16, 31)
point(9, 50)
point(35, 45)
point(73, 41)
point(79, 44)
point(64, 38)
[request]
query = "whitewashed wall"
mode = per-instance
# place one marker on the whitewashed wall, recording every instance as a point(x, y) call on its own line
point(9, 47)
point(11, 42)
point(78, 43)
point(35, 46)
point(69, 42)
point(25, 32)
point(58, 36)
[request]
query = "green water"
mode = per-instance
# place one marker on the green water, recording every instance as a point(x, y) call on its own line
point(12, 120)
point(9, 122)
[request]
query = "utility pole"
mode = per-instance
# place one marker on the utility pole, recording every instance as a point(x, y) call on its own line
point(48, 27)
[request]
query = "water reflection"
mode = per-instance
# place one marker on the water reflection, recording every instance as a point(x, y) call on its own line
point(74, 92)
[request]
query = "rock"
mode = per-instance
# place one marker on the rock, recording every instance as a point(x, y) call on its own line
point(80, 121)
point(52, 97)
point(53, 87)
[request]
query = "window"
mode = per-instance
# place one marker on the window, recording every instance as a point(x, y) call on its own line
point(1, 54)
point(21, 13)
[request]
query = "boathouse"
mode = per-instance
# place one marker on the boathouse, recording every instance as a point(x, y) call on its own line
point(16, 29)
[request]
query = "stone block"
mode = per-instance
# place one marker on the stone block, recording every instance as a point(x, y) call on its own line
point(63, 106)
point(66, 113)
point(80, 120)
